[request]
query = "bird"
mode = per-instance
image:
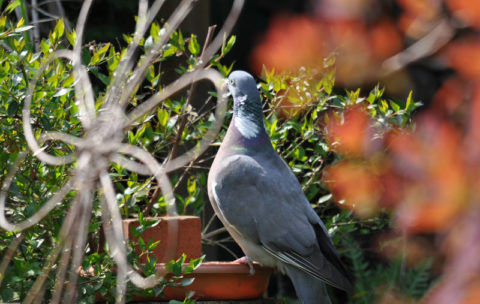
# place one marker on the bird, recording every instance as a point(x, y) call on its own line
point(262, 205)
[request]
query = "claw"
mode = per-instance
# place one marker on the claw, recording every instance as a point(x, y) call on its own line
point(246, 260)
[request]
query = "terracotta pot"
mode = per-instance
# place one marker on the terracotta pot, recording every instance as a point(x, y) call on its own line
point(177, 235)
point(213, 280)
point(219, 281)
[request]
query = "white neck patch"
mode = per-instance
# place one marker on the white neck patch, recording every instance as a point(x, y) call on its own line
point(246, 127)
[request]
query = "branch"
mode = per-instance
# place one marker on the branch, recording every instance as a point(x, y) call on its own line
point(438, 37)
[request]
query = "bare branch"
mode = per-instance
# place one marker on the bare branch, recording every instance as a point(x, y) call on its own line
point(439, 36)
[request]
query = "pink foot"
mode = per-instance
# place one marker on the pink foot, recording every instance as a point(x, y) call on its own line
point(246, 260)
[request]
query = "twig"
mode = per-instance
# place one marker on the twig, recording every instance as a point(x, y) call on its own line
point(222, 246)
point(61, 272)
point(210, 221)
point(214, 233)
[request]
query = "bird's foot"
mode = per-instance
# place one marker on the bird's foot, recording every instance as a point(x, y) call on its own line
point(246, 260)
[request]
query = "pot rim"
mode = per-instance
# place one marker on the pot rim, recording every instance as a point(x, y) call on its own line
point(222, 267)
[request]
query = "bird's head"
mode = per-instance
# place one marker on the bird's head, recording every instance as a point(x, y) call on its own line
point(247, 106)
point(243, 88)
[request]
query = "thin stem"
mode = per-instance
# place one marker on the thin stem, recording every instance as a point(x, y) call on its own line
point(7, 257)
point(84, 200)
point(36, 292)
point(61, 272)
point(214, 233)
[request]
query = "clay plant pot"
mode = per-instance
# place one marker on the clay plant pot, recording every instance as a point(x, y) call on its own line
point(213, 280)
point(177, 235)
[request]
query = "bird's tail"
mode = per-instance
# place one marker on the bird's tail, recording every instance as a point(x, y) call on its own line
point(309, 290)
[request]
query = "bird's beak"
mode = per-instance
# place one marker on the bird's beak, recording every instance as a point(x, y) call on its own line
point(225, 89)
point(225, 84)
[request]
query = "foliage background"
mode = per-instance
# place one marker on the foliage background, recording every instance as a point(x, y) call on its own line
point(313, 122)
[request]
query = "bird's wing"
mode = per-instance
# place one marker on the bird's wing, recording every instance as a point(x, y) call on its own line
point(268, 207)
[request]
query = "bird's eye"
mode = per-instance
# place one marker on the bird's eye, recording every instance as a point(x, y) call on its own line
point(232, 82)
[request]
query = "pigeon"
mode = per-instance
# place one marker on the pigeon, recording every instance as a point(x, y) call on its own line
point(262, 205)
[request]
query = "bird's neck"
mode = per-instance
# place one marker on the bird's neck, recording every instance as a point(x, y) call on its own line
point(248, 119)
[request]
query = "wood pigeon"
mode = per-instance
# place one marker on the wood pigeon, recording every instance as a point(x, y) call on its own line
point(262, 205)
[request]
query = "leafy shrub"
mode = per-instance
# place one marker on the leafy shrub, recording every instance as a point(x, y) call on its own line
point(53, 109)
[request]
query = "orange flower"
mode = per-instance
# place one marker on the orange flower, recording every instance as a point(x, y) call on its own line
point(355, 64)
point(466, 10)
point(473, 292)
point(473, 136)
point(356, 185)
point(450, 96)
point(291, 42)
point(421, 8)
point(463, 56)
point(418, 16)
point(434, 175)
point(350, 136)
point(385, 40)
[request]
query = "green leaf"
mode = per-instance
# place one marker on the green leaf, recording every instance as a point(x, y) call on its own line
point(383, 106)
point(141, 243)
point(228, 46)
point(20, 22)
point(299, 154)
point(328, 82)
point(193, 264)
point(3, 21)
point(103, 78)
point(187, 281)
point(162, 116)
point(71, 37)
point(181, 41)
point(62, 92)
point(395, 107)
point(324, 198)
point(177, 40)
point(153, 245)
point(23, 28)
point(99, 54)
point(154, 30)
point(44, 46)
point(371, 98)
point(13, 5)
point(12, 108)
point(408, 103)
point(193, 46)
point(59, 28)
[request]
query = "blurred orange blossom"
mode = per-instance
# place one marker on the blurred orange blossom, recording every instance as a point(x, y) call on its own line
point(428, 177)
point(295, 41)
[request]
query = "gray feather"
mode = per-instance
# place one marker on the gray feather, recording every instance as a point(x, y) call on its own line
point(309, 291)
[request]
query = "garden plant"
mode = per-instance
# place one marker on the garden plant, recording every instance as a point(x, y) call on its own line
point(93, 132)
